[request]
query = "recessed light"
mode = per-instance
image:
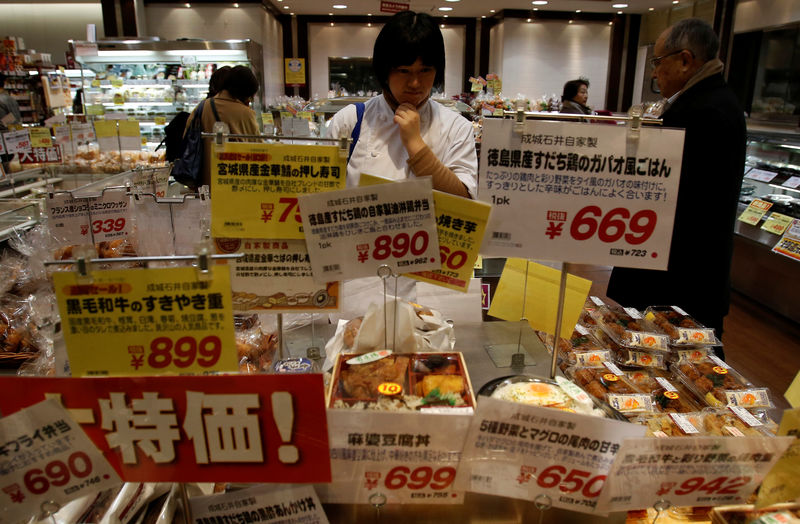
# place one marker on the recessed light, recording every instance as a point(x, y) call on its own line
point(535, 8)
point(570, 21)
point(369, 14)
point(339, 6)
point(452, 0)
point(652, 9)
point(491, 10)
point(445, 16)
point(539, 2)
point(369, 24)
point(483, 16)
point(188, 5)
point(528, 20)
point(619, 6)
point(577, 10)
point(674, 1)
point(611, 23)
point(619, 12)
point(235, 5)
point(445, 9)
point(331, 24)
point(442, 26)
point(286, 7)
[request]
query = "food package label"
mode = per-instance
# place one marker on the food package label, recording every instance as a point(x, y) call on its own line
point(353, 232)
point(394, 458)
point(82, 134)
point(68, 218)
point(579, 192)
point(130, 136)
point(697, 471)
point(256, 187)
point(107, 137)
point(17, 141)
point(47, 462)
point(562, 455)
point(281, 505)
point(223, 428)
point(274, 276)
point(146, 322)
point(688, 336)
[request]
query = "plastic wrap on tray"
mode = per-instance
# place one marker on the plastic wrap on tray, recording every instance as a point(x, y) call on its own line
point(418, 381)
point(255, 349)
point(609, 384)
point(672, 424)
point(560, 394)
point(719, 385)
point(737, 422)
point(670, 395)
point(695, 354)
point(626, 327)
point(582, 349)
point(681, 329)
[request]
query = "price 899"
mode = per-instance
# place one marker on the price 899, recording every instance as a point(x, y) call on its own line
point(183, 352)
point(615, 225)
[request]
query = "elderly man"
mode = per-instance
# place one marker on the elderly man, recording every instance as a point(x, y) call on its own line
point(689, 74)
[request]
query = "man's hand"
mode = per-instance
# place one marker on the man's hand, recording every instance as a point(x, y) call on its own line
point(407, 118)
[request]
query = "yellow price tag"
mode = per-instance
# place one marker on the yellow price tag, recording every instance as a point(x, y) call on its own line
point(267, 119)
point(255, 187)
point(144, 140)
point(105, 128)
point(95, 83)
point(129, 127)
point(119, 99)
point(95, 109)
point(161, 120)
point(478, 263)
point(498, 112)
point(781, 484)
point(306, 115)
point(752, 215)
point(390, 388)
point(117, 82)
point(147, 321)
point(286, 114)
point(777, 223)
point(40, 137)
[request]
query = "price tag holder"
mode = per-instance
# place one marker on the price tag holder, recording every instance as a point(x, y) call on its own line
point(55, 462)
point(130, 136)
point(146, 322)
point(229, 428)
point(351, 233)
point(40, 137)
point(580, 192)
point(274, 276)
point(299, 503)
point(110, 215)
point(544, 451)
point(106, 133)
point(761, 175)
point(696, 471)
point(256, 187)
point(17, 141)
point(408, 458)
point(776, 223)
point(755, 211)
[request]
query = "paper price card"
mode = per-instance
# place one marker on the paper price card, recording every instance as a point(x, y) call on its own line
point(777, 223)
point(792, 182)
point(761, 175)
point(68, 218)
point(106, 133)
point(82, 134)
point(689, 471)
point(40, 137)
point(64, 138)
point(580, 192)
point(17, 141)
point(255, 187)
point(147, 321)
point(351, 233)
point(110, 215)
point(780, 484)
point(2, 146)
point(754, 212)
point(225, 428)
point(285, 505)
point(398, 458)
point(524, 451)
point(275, 276)
point(46, 459)
point(788, 247)
point(130, 137)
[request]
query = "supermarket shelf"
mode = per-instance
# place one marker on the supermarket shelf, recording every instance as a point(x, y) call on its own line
point(8, 232)
point(16, 190)
point(139, 104)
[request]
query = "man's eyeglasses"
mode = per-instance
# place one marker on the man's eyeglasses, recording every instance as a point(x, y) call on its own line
point(656, 60)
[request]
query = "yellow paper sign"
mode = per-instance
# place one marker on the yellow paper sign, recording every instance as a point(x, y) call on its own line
point(541, 292)
point(40, 137)
point(147, 321)
point(306, 115)
point(255, 187)
point(793, 393)
point(119, 99)
point(752, 215)
point(295, 71)
point(129, 128)
point(478, 263)
point(105, 128)
point(144, 141)
point(95, 83)
point(777, 223)
point(117, 82)
point(267, 119)
point(95, 109)
point(498, 112)
point(161, 120)
point(286, 114)
point(780, 484)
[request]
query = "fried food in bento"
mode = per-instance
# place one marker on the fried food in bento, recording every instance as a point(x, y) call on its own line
point(444, 383)
point(362, 380)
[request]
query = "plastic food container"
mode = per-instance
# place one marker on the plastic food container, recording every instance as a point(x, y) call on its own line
point(737, 422)
point(719, 385)
point(542, 392)
point(582, 349)
point(670, 395)
point(608, 384)
point(672, 424)
point(681, 329)
point(627, 328)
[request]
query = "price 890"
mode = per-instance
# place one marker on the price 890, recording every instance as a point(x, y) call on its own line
point(618, 223)
point(400, 245)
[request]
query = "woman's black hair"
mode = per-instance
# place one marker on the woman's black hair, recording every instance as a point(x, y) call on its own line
point(241, 83)
point(217, 81)
point(572, 87)
point(406, 37)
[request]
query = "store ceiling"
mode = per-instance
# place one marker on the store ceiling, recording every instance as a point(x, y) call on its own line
point(465, 8)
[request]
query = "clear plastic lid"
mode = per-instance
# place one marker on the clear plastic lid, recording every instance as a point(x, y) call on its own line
point(627, 328)
point(720, 385)
point(681, 328)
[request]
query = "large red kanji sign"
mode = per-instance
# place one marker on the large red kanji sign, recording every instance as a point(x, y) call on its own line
point(41, 155)
point(228, 428)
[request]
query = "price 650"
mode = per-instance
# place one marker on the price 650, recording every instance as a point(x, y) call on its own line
point(614, 225)
point(573, 481)
point(57, 473)
point(183, 352)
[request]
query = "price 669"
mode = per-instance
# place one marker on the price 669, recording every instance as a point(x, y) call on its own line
point(614, 225)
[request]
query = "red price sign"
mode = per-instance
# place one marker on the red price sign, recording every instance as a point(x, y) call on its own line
point(616, 224)
point(422, 477)
point(571, 481)
point(452, 260)
point(181, 353)
point(58, 473)
point(712, 486)
point(400, 245)
point(108, 225)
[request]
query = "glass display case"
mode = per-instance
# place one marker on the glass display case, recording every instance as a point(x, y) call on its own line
point(153, 80)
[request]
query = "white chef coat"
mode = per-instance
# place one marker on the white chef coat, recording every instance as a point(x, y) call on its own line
point(380, 149)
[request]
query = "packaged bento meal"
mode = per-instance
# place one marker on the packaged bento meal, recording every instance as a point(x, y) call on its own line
point(534, 391)
point(670, 395)
point(681, 329)
point(737, 422)
point(609, 384)
point(671, 424)
point(627, 328)
point(582, 349)
point(720, 385)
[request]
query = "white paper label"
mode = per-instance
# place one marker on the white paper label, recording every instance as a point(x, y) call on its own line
point(297, 504)
point(613, 368)
point(69, 218)
point(733, 431)
point(366, 358)
point(576, 393)
point(692, 355)
point(582, 330)
point(680, 311)
point(82, 134)
point(632, 403)
point(641, 339)
point(750, 398)
point(793, 182)
point(17, 142)
point(666, 384)
point(683, 423)
point(695, 336)
point(592, 358)
point(633, 312)
point(761, 175)
point(110, 215)
point(745, 416)
point(55, 461)
point(597, 301)
point(386, 224)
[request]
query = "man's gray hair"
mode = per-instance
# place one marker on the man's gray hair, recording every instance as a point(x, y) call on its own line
point(696, 36)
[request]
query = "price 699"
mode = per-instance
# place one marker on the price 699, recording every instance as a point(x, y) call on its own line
point(614, 225)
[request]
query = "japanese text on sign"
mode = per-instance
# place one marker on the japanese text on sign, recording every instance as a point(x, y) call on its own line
point(290, 505)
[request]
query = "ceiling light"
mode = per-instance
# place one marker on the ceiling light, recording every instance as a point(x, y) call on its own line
point(369, 14)
point(528, 20)
point(369, 24)
point(452, 0)
point(619, 12)
point(188, 5)
point(652, 9)
point(236, 5)
point(331, 24)
point(539, 2)
point(483, 16)
point(491, 10)
point(330, 14)
point(535, 8)
point(570, 21)
point(291, 14)
point(445, 16)
point(577, 10)
point(442, 26)
point(339, 6)
point(611, 23)
point(619, 6)
point(674, 1)
point(286, 7)
point(445, 9)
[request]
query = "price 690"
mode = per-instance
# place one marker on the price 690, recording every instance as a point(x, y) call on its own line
point(614, 225)
point(57, 473)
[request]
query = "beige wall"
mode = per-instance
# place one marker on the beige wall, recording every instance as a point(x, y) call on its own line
point(762, 14)
point(46, 27)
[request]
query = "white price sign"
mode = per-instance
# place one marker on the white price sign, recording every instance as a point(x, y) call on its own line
point(689, 471)
point(49, 461)
point(761, 175)
point(17, 141)
point(286, 505)
point(580, 192)
point(191, 219)
point(68, 218)
point(110, 215)
point(352, 232)
point(82, 134)
point(793, 182)
point(544, 451)
point(396, 458)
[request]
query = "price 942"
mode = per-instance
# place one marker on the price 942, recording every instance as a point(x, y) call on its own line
point(614, 225)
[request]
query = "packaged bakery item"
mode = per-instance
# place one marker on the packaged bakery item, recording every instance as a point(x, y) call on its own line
point(608, 384)
point(626, 327)
point(737, 422)
point(255, 349)
point(383, 380)
point(662, 425)
point(719, 385)
point(681, 329)
point(670, 395)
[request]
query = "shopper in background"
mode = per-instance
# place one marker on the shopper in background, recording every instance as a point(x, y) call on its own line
point(575, 96)
point(217, 81)
point(403, 134)
point(9, 109)
point(231, 106)
point(689, 74)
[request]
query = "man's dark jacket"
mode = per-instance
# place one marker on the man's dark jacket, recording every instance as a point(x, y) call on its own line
point(698, 275)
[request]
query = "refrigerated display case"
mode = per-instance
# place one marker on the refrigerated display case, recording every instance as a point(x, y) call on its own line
point(152, 80)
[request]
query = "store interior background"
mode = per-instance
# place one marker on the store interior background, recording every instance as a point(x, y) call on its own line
point(532, 58)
